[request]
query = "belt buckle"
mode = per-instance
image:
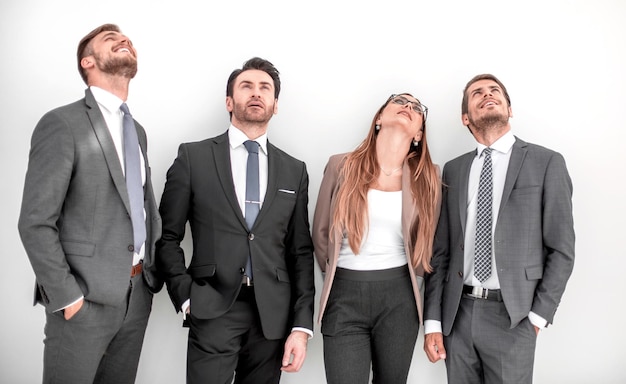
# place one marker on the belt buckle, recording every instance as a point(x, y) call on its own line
point(480, 292)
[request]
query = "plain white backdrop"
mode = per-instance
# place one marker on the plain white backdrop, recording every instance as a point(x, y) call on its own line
point(563, 62)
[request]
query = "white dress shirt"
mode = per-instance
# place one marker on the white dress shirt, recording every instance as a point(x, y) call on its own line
point(110, 107)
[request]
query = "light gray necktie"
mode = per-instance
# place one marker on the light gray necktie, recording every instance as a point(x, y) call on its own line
point(253, 201)
point(133, 179)
point(482, 258)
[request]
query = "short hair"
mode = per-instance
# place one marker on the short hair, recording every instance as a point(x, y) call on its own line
point(261, 65)
point(485, 76)
point(84, 48)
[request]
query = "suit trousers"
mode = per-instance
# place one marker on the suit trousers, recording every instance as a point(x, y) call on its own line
point(233, 344)
point(100, 343)
point(370, 322)
point(482, 348)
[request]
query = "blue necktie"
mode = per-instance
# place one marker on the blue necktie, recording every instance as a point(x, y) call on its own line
point(253, 201)
point(482, 259)
point(133, 179)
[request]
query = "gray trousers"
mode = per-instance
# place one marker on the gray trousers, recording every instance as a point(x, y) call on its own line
point(482, 348)
point(370, 322)
point(99, 344)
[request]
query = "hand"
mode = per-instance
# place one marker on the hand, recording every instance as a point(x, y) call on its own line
point(537, 329)
point(295, 351)
point(69, 312)
point(433, 346)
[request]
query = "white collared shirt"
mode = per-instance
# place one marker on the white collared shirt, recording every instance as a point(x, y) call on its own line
point(500, 156)
point(239, 161)
point(109, 105)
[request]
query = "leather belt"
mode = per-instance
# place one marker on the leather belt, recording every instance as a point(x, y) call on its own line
point(482, 293)
point(246, 281)
point(136, 269)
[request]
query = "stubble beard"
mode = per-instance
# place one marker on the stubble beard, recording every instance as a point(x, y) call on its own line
point(119, 66)
point(489, 121)
point(242, 114)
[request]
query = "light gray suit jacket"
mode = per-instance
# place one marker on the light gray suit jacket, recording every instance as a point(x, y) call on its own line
point(75, 218)
point(533, 239)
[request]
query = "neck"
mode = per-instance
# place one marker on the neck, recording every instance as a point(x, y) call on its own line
point(391, 151)
point(251, 130)
point(489, 135)
point(117, 85)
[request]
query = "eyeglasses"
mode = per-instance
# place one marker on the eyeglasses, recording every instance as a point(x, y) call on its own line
point(415, 105)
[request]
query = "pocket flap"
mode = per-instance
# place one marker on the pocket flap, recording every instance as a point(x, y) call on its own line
point(202, 271)
point(534, 273)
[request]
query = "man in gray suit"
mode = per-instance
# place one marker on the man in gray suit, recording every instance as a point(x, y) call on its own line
point(90, 238)
point(511, 202)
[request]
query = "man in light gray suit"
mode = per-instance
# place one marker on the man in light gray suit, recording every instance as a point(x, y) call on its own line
point(511, 202)
point(89, 237)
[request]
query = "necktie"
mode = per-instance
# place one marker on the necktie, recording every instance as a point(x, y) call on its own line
point(134, 185)
point(253, 201)
point(482, 259)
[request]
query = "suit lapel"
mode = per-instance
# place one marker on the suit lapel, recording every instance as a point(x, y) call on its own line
point(518, 153)
point(221, 157)
point(108, 147)
point(273, 168)
point(466, 164)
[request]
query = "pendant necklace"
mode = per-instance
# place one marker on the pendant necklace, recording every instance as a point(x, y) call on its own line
point(392, 171)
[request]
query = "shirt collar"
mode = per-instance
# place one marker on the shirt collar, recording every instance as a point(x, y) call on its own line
point(106, 99)
point(236, 137)
point(503, 144)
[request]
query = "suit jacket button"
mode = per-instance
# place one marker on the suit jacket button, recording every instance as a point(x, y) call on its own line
point(251, 236)
point(462, 247)
point(131, 248)
point(460, 274)
point(242, 270)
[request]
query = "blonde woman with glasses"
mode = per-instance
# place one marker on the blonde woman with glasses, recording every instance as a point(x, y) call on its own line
point(373, 231)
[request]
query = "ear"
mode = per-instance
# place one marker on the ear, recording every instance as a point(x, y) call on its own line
point(229, 103)
point(510, 112)
point(418, 135)
point(87, 62)
point(275, 106)
point(465, 119)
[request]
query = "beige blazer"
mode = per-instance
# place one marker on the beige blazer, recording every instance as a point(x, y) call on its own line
point(327, 246)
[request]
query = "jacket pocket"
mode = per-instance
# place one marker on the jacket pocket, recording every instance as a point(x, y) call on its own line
point(534, 272)
point(78, 249)
point(203, 271)
point(282, 275)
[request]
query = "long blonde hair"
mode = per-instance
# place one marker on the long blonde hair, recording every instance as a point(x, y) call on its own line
point(360, 170)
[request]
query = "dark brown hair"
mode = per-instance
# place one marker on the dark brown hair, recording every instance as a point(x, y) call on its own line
point(485, 76)
point(84, 48)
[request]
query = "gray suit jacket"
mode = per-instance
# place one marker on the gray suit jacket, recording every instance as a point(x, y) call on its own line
point(533, 239)
point(200, 191)
point(75, 218)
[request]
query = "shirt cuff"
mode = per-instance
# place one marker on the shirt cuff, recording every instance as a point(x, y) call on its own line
point(70, 304)
point(432, 326)
point(537, 320)
point(184, 308)
point(307, 331)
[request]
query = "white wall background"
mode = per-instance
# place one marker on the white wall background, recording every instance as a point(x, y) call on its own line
point(563, 62)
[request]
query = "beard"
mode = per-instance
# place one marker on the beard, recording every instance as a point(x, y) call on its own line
point(490, 120)
point(125, 66)
point(243, 114)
